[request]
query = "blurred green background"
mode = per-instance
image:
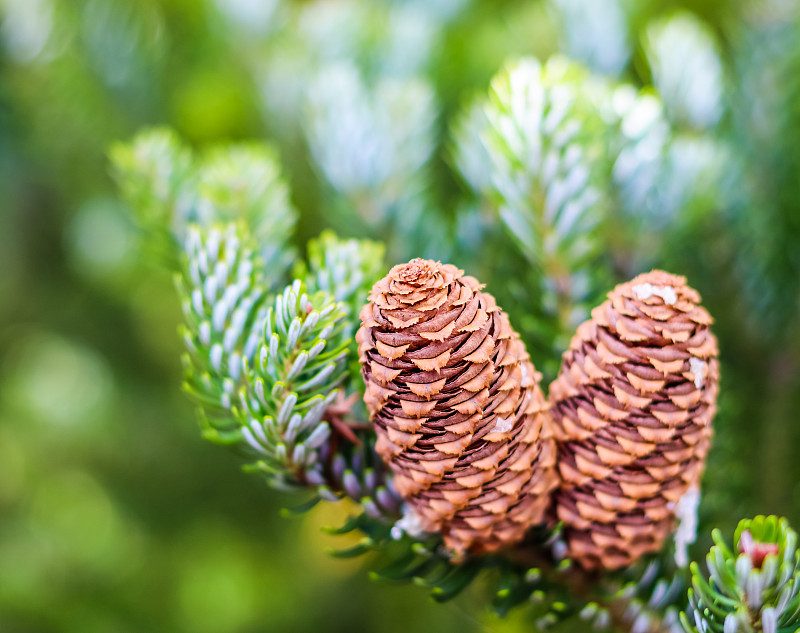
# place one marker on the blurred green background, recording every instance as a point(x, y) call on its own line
point(114, 514)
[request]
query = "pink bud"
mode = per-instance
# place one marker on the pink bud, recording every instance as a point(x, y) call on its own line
point(756, 550)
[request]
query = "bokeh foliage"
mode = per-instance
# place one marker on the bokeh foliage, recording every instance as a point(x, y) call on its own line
point(113, 514)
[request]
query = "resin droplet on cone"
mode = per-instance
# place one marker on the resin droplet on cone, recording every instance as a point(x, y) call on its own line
point(632, 409)
point(457, 407)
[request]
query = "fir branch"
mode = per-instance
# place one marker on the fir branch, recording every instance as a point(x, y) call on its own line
point(267, 379)
point(367, 139)
point(753, 588)
point(372, 144)
point(170, 188)
point(344, 269)
point(687, 70)
point(585, 173)
point(543, 137)
point(154, 172)
point(293, 379)
point(243, 182)
point(223, 293)
point(663, 179)
point(352, 469)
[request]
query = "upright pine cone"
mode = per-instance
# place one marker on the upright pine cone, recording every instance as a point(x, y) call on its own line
point(632, 409)
point(457, 407)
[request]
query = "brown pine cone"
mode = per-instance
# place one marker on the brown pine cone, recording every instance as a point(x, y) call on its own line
point(457, 407)
point(632, 409)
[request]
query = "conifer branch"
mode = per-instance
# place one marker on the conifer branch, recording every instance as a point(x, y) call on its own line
point(292, 380)
point(243, 182)
point(223, 295)
point(170, 188)
point(542, 137)
point(753, 588)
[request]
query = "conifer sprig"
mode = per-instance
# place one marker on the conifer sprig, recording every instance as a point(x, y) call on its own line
point(263, 375)
point(169, 188)
point(223, 291)
point(753, 588)
point(154, 172)
point(372, 142)
point(344, 269)
point(356, 472)
point(545, 163)
point(584, 172)
point(243, 182)
point(292, 380)
point(541, 139)
point(687, 70)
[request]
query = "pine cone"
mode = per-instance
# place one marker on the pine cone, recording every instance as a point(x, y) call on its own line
point(632, 409)
point(457, 408)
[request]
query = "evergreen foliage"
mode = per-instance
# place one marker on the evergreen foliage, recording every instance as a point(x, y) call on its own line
point(263, 369)
point(223, 294)
point(294, 376)
point(344, 270)
point(563, 157)
point(547, 165)
point(753, 587)
point(244, 183)
point(550, 148)
point(170, 188)
point(372, 143)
